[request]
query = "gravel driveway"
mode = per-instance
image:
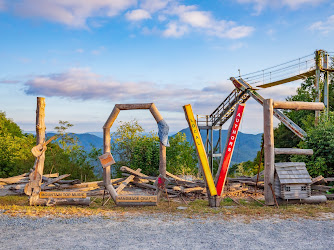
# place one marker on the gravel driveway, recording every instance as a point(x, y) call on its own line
point(161, 231)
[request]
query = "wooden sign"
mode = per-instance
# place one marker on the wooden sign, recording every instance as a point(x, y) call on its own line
point(200, 148)
point(136, 199)
point(45, 195)
point(106, 160)
point(229, 147)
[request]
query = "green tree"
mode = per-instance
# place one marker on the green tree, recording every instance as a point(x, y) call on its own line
point(181, 156)
point(15, 155)
point(321, 139)
point(66, 156)
point(132, 148)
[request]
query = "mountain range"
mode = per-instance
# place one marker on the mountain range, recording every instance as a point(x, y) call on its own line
point(246, 147)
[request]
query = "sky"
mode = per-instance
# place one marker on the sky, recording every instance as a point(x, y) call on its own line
point(86, 56)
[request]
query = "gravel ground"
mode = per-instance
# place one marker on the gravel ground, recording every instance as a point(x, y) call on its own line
point(161, 231)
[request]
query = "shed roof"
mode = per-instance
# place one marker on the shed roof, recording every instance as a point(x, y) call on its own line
point(292, 173)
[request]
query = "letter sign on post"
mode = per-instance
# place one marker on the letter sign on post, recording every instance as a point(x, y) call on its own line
point(228, 150)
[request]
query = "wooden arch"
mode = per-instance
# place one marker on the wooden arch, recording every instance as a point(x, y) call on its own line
point(106, 141)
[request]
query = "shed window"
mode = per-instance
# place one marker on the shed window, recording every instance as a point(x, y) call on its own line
point(303, 188)
point(287, 189)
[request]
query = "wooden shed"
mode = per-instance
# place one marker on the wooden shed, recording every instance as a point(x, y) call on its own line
point(292, 181)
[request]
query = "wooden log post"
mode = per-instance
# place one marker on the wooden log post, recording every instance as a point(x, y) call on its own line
point(326, 82)
point(162, 160)
point(40, 139)
point(269, 155)
point(317, 82)
point(299, 105)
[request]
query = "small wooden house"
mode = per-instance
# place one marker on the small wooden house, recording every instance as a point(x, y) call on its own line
point(292, 181)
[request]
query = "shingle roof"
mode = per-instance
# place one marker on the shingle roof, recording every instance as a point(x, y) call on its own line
point(292, 173)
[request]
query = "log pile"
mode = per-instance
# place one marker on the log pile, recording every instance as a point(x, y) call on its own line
point(52, 182)
point(323, 186)
point(175, 187)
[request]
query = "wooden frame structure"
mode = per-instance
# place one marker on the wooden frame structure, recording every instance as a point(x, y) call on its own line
point(269, 150)
point(130, 200)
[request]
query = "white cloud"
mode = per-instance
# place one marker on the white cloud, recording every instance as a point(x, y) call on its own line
point(154, 5)
point(200, 19)
point(178, 19)
point(325, 27)
point(260, 5)
point(137, 15)
point(80, 51)
point(83, 84)
point(295, 4)
point(237, 46)
point(203, 21)
point(2, 5)
point(73, 13)
point(175, 29)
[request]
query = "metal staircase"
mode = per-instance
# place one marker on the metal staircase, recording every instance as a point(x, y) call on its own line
point(225, 110)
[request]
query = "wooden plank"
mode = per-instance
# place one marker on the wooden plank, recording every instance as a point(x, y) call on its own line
point(317, 179)
point(298, 105)
point(126, 182)
point(269, 155)
point(133, 106)
point(293, 151)
point(177, 178)
point(15, 179)
point(289, 164)
point(55, 175)
point(321, 187)
point(136, 198)
point(45, 195)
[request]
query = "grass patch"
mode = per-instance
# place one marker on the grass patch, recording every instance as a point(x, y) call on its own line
point(249, 209)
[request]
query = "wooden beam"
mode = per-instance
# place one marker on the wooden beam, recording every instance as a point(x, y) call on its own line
point(51, 181)
point(162, 160)
point(133, 106)
point(269, 155)
point(177, 178)
point(155, 112)
point(299, 105)
point(293, 151)
point(126, 182)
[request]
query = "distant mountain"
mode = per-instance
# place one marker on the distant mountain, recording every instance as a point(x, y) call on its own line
point(246, 147)
point(86, 140)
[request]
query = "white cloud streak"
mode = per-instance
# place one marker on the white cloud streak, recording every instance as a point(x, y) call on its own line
point(260, 5)
point(73, 13)
point(324, 27)
point(2, 5)
point(137, 15)
point(83, 84)
point(190, 18)
point(171, 18)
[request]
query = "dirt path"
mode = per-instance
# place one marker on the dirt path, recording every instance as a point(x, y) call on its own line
point(163, 232)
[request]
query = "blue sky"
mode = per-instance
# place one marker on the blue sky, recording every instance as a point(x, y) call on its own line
point(86, 56)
